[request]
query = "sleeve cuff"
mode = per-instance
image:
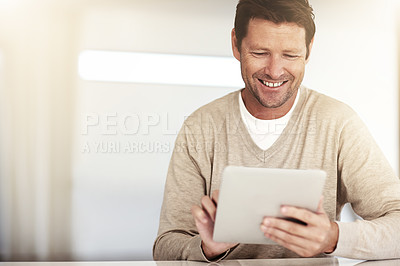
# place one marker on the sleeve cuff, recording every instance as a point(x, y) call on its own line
point(196, 253)
point(216, 259)
point(345, 244)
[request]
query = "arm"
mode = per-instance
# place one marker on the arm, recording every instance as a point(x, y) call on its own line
point(188, 184)
point(177, 237)
point(368, 182)
point(205, 219)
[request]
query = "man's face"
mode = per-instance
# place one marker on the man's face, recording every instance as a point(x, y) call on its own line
point(272, 59)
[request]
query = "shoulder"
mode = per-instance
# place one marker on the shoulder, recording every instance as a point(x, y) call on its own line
point(325, 107)
point(216, 110)
point(201, 126)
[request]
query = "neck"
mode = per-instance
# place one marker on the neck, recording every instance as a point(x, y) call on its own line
point(265, 113)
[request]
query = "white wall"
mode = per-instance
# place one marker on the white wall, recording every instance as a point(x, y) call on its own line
point(117, 195)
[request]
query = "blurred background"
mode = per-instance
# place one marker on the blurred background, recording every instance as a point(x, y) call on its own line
point(89, 113)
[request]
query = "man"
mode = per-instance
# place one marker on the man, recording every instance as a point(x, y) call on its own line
point(272, 40)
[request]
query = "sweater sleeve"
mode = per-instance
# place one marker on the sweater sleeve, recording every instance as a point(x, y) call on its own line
point(367, 181)
point(178, 238)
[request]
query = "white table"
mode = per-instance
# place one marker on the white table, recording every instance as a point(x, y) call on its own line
point(289, 262)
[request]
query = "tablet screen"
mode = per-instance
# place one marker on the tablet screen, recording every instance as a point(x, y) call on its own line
point(249, 194)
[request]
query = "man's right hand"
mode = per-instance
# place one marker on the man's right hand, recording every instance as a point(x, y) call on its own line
point(204, 217)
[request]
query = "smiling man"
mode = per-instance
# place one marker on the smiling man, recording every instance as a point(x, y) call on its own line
point(275, 122)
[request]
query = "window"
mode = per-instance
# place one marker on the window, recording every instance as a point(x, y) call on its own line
point(112, 66)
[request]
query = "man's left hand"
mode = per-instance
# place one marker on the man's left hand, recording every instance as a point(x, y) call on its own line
point(317, 236)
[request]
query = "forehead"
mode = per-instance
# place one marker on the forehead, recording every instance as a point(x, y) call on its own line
point(262, 33)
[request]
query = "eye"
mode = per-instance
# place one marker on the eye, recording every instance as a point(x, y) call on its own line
point(291, 56)
point(260, 54)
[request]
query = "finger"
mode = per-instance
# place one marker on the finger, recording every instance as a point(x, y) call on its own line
point(286, 238)
point(301, 214)
point(215, 196)
point(298, 249)
point(199, 215)
point(286, 226)
point(203, 223)
point(209, 207)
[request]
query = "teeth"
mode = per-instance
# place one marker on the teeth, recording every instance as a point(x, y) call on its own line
point(272, 85)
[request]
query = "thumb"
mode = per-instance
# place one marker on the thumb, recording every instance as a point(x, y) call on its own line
point(320, 208)
point(215, 196)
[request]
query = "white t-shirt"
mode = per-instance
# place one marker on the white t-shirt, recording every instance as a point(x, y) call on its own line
point(264, 132)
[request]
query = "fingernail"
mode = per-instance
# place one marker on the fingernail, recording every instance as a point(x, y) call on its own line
point(267, 222)
point(283, 209)
point(263, 228)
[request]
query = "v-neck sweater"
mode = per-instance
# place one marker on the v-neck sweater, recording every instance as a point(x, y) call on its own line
point(322, 133)
point(264, 132)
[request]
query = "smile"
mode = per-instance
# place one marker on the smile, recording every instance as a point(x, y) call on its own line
point(272, 84)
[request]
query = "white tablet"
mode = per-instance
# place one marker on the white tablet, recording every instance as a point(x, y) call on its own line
point(248, 194)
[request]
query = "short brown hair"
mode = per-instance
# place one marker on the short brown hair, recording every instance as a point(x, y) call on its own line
point(277, 11)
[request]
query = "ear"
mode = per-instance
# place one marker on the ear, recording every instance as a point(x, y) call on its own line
point(235, 49)
point(309, 49)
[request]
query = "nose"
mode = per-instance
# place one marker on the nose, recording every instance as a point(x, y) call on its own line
point(274, 67)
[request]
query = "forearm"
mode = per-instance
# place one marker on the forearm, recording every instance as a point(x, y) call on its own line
point(371, 240)
point(175, 245)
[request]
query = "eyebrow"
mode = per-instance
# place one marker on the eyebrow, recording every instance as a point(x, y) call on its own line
point(296, 51)
point(290, 50)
